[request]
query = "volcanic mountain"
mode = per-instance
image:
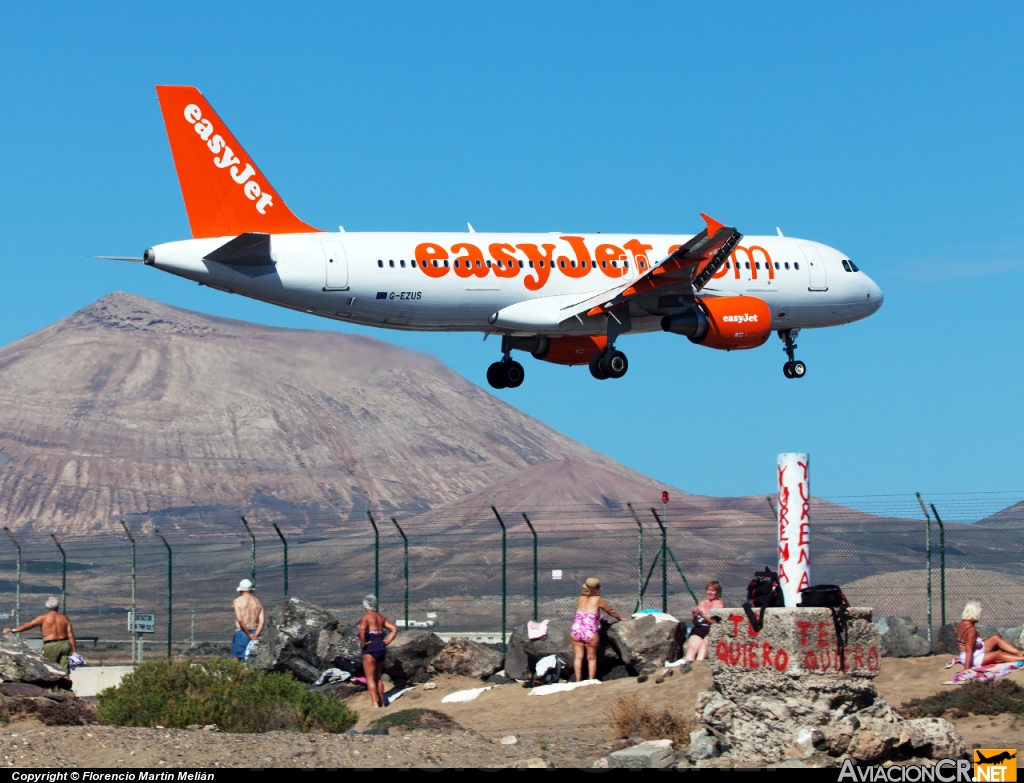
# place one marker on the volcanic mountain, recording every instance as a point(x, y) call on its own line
point(132, 408)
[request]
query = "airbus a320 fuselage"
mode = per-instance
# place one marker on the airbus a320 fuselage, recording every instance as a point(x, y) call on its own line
point(565, 298)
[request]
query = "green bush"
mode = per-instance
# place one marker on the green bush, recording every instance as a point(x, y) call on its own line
point(417, 719)
point(177, 694)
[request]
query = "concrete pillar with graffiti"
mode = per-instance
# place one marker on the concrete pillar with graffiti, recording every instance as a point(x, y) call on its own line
point(794, 519)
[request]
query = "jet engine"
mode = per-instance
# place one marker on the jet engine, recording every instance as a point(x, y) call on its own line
point(729, 323)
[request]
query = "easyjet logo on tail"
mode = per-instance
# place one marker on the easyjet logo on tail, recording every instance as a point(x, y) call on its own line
point(224, 158)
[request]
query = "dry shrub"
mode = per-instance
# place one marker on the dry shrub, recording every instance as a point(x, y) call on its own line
point(409, 720)
point(70, 712)
point(629, 717)
point(982, 698)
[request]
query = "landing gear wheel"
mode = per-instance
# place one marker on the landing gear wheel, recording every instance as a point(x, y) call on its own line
point(595, 367)
point(787, 369)
point(514, 374)
point(615, 363)
point(798, 370)
point(496, 376)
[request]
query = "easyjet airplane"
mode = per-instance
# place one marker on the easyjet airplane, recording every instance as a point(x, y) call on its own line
point(564, 298)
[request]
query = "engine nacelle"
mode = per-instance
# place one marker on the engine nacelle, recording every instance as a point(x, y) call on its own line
point(570, 350)
point(729, 323)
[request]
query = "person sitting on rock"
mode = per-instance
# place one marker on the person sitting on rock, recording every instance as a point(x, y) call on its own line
point(585, 627)
point(372, 628)
point(58, 635)
point(973, 651)
point(697, 644)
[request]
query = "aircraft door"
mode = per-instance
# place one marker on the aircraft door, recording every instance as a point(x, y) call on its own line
point(336, 263)
point(817, 277)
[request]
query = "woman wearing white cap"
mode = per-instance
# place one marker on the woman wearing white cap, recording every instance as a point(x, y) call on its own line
point(249, 618)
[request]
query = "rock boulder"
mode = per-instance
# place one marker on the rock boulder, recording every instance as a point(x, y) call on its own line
point(523, 653)
point(646, 642)
point(298, 638)
point(409, 655)
point(466, 658)
point(20, 663)
point(901, 637)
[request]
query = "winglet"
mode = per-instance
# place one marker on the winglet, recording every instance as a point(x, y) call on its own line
point(225, 193)
point(713, 225)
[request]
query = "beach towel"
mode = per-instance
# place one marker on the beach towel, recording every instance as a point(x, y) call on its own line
point(252, 645)
point(360, 680)
point(75, 661)
point(469, 695)
point(537, 630)
point(659, 617)
point(390, 697)
point(332, 675)
point(983, 673)
point(561, 687)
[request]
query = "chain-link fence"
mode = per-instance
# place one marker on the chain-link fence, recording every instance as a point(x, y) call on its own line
point(480, 571)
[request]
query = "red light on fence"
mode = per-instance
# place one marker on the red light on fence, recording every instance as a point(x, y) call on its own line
point(664, 497)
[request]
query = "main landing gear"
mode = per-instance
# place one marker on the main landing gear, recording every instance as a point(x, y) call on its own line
point(793, 368)
point(506, 374)
point(609, 363)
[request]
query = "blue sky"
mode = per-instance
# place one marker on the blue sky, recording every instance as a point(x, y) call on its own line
point(889, 132)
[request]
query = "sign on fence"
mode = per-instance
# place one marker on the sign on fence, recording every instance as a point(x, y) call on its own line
point(144, 623)
point(556, 573)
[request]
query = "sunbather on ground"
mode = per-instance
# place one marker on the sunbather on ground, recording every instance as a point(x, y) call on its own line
point(585, 626)
point(697, 644)
point(976, 652)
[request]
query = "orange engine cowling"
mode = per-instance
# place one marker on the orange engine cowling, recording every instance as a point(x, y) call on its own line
point(729, 324)
point(571, 350)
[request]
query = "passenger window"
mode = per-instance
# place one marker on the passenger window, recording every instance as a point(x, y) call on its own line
point(478, 263)
point(488, 263)
point(787, 265)
point(796, 266)
point(521, 264)
point(604, 264)
point(391, 263)
point(446, 263)
point(846, 265)
point(746, 264)
point(573, 263)
point(757, 264)
point(531, 264)
point(457, 264)
point(380, 263)
point(625, 264)
point(562, 263)
point(776, 264)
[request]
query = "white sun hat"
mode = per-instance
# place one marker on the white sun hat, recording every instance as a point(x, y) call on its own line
point(245, 586)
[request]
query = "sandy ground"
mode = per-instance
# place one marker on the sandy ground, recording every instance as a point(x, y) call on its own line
point(565, 730)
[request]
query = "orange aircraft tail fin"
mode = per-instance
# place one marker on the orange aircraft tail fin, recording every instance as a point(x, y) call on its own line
point(225, 193)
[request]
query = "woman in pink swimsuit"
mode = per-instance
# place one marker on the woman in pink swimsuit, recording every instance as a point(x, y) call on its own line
point(584, 632)
point(994, 649)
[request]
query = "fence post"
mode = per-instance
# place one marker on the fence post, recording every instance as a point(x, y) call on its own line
point(170, 590)
point(928, 559)
point(252, 558)
point(17, 594)
point(504, 592)
point(376, 556)
point(131, 623)
point(285, 542)
point(664, 562)
point(942, 562)
point(530, 525)
point(686, 581)
point(639, 556)
point(63, 575)
point(405, 546)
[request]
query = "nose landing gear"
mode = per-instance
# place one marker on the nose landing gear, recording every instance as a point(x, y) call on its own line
point(793, 368)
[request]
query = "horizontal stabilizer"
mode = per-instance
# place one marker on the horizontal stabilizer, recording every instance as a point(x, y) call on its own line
point(119, 258)
point(248, 249)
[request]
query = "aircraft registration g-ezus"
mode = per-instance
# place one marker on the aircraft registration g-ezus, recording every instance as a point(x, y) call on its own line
point(564, 298)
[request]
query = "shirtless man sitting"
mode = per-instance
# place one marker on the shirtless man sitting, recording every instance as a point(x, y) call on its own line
point(249, 619)
point(58, 635)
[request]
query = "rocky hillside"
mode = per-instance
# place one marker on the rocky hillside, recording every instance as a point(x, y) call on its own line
point(134, 408)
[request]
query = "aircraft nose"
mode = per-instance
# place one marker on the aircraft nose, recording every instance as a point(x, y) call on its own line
point(875, 295)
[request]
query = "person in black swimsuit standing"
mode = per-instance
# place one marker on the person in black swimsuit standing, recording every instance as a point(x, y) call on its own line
point(375, 632)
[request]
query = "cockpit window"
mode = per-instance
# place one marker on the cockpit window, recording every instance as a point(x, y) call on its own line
point(846, 265)
point(854, 267)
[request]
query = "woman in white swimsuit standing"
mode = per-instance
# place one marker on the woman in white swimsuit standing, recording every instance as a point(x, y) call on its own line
point(973, 651)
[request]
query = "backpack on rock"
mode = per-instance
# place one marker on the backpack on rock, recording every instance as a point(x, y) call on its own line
point(762, 592)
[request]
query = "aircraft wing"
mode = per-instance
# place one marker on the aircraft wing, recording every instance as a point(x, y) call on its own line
point(679, 275)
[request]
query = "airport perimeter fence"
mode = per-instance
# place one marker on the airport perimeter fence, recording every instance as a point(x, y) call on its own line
point(479, 572)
